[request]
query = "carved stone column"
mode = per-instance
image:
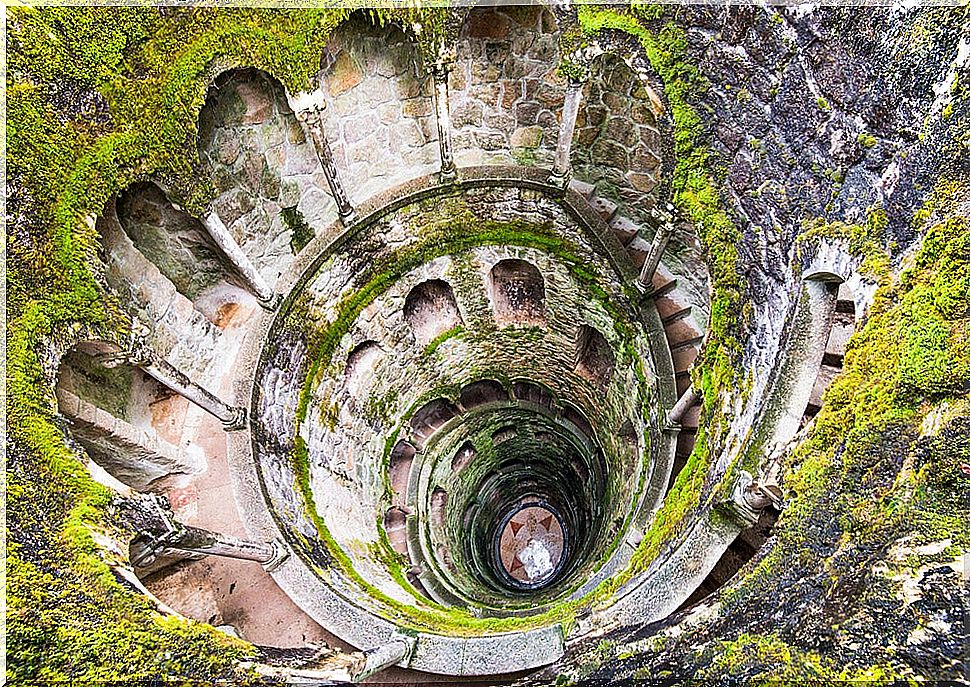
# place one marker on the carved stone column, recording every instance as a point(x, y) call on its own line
point(439, 72)
point(683, 404)
point(141, 355)
point(396, 652)
point(163, 534)
point(561, 167)
point(312, 119)
point(223, 238)
point(665, 229)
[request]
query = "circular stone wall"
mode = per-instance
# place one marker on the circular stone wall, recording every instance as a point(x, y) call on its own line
point(442, 375)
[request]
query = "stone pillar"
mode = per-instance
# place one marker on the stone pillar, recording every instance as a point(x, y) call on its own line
point(683, 404)
point(163, 534)
point(665, 229)
point(561, 168)
point(750, 497)
point(223, 238)
point(392, 653)
point(439, 72)
point(313, 121)
point(142, 356)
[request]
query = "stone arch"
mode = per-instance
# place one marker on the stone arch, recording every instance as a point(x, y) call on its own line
point(506, 92)
point(482, 392)
point(594, 358)
point(430, 417)
point(518, 293)
point(360, 364)
point(112, 413)
point(268, 182)
point(430, 310)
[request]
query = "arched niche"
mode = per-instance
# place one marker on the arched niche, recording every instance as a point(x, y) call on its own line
point(506, 92)
point(395, 525)
point(173, 241)
point(482, 392)
point(263, 168)
point(430, 417)
point(430, 310)
point(594, 360)
point(439, 505)
point(118, 416)
point(399, 469)
point(518, 293)
point(360, 365)
point(463, 457)
point(379, 116)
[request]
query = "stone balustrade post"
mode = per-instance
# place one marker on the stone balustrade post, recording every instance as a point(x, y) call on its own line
point(164, 535)
point(141, 355)
point(665, 229)
point(439, 73)
point(561, 168)
point(312, 119)
point(223, 238)
point(394, 652)
point(683, 404)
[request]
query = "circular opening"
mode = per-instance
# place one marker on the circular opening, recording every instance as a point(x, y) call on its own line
point(530, 546)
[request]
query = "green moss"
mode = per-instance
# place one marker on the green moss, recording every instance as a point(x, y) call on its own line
point(302, 233)
point(866, 140)
point(433, 345)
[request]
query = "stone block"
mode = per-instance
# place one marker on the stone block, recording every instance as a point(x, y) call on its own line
point(67, 403)
point(417, 107)
point(343, 75)
point(485, 24)
point(624, 229)
point(526, 137)
point(583, 188)
point(526, 113)
point(467, 113)
point(256, 100)
point(604, 207)
point(641, 182)
point(300, 159)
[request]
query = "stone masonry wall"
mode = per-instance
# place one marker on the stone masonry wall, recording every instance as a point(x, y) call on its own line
point(379, 117)
point(506, 95)
point(617, 141)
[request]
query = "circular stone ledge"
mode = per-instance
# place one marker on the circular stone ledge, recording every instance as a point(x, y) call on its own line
point(319, 593)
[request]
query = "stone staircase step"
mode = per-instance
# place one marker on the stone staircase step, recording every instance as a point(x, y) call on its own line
point(684, 358)
point(584, 189)
point(691, 420)
point(624, 229)
point(637, 249)
point(662, 286)
point(693, 342)
point(604, 207)
point(681, 330)
point(675, 315)
point(683, 382)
